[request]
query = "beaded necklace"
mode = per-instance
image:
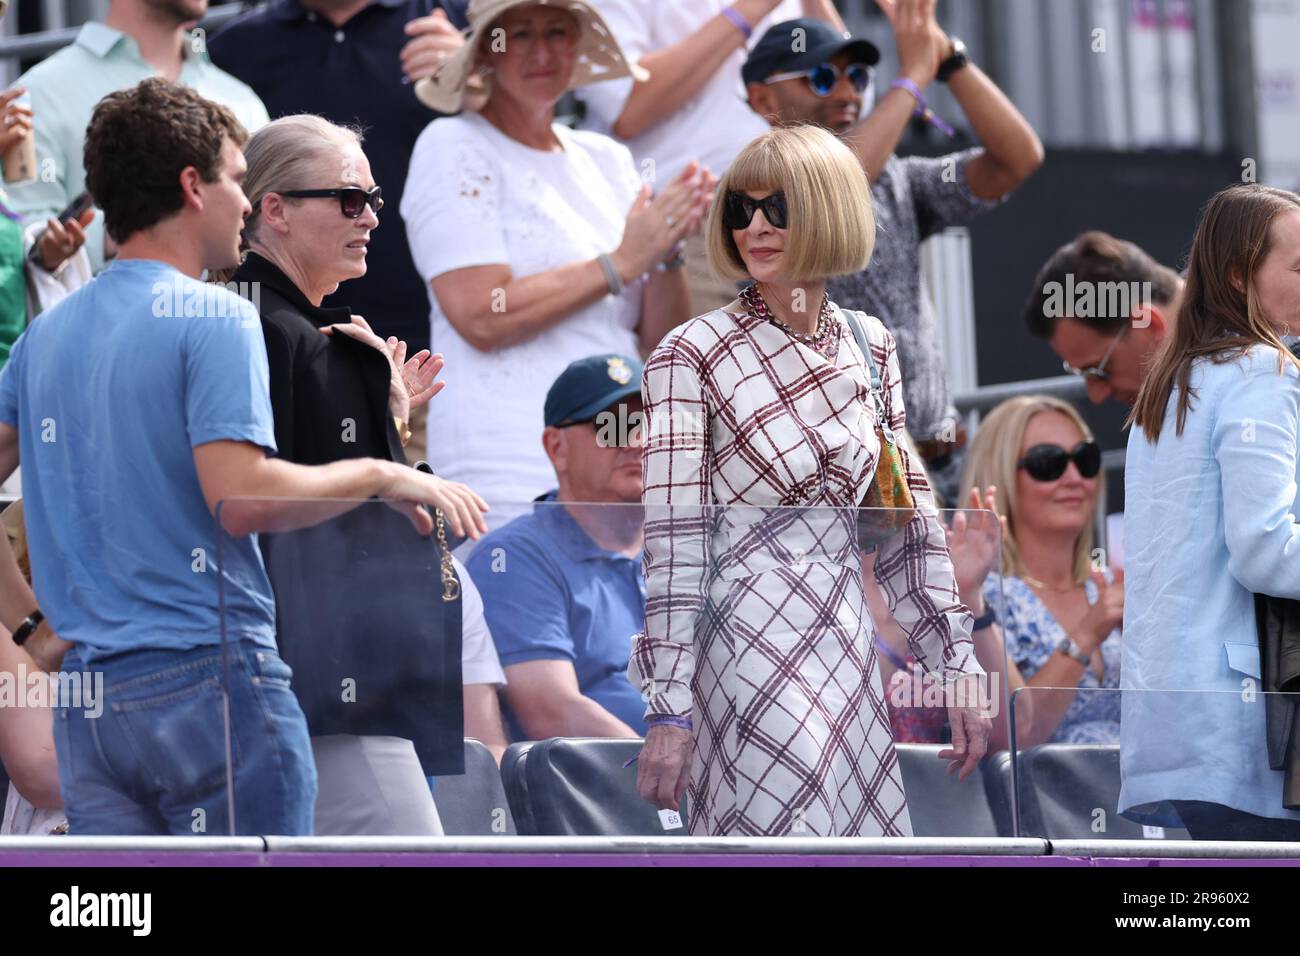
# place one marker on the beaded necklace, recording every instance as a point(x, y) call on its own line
point(820, 340)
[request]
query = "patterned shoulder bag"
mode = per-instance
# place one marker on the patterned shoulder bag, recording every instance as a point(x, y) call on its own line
point(889, 489)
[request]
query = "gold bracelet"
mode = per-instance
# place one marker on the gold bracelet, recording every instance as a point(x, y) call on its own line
point(450, 585)
point(403, 430)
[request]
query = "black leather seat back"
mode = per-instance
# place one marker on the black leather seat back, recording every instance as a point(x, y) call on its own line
point(940, 806)
point(516, 786)
point(474, 803)
point(1073, 790)
point(579, 787)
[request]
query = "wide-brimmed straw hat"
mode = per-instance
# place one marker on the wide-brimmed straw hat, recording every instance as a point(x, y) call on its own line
point(599, 55)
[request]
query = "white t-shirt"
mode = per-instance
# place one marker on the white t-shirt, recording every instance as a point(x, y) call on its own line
point(479, 663)
point(715, 125)
point(475, 197)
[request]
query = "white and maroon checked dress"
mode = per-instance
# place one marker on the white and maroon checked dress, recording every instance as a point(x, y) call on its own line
point(755, 622)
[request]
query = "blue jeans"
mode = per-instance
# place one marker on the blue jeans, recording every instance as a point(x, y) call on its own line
point(154, 760)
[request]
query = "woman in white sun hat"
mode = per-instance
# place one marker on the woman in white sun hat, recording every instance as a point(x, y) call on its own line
point(540, 244)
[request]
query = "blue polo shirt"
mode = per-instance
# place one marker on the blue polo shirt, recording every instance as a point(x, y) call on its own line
point(299, 62)
point(551, 593)
point(110, 391)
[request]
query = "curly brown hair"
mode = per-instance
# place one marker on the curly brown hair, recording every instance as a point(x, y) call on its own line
point(138, 142)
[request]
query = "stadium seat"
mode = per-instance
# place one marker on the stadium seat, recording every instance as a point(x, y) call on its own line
point(940, 806)
point(474, 803)
point(1071, 792)
point(579, 787)
point(516, 787)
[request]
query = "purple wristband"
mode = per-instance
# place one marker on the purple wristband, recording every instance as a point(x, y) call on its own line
point(684, 723)
point(656, 719)
point(922, 107)
point(738, 21)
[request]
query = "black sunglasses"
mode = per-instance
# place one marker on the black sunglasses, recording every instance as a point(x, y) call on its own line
point(823, 77)
point(738, 210)
point(353, 200)
point(1048, 462)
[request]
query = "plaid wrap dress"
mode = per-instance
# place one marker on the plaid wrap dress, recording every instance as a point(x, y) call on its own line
point(758, 448)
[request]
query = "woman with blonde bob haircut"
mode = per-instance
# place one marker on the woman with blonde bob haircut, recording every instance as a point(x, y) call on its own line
point(1059, 615)
point(821, 188)
point(762, 442)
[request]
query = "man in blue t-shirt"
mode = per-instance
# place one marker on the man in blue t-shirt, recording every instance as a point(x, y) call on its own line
point(562, 586)
point(138, 406)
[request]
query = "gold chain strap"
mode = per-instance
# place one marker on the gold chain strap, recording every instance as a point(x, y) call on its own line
point(450, 586)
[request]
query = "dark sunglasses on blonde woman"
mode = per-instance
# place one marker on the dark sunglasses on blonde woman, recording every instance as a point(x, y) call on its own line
point(739, 209)
point(352, 199)
point(1048, 462)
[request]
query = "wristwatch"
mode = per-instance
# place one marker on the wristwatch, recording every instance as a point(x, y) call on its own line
point(1070, 649)
point(956, 60)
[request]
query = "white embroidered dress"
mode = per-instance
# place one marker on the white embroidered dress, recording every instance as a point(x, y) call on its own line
point(756, 626)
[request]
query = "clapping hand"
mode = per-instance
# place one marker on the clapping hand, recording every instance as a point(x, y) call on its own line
point(411, 381)
point(922, 44)
point(975, 542)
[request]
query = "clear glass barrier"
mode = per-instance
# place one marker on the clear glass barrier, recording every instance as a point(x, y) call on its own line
point(1098, 763)
point(496, 673)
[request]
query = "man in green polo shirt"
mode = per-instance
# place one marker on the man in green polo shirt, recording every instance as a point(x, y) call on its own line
point(138, 39)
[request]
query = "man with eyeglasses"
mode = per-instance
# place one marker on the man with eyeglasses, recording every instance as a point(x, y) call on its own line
point(1104, 306)
point(804, 71)
point(563, 587)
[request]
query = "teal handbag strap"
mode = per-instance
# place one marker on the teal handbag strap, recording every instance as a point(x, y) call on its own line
point(861, 336)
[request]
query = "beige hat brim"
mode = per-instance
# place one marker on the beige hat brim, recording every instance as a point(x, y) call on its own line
point(600, 57)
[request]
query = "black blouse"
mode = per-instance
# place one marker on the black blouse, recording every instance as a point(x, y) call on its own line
point(360, 618)
point(329, 393)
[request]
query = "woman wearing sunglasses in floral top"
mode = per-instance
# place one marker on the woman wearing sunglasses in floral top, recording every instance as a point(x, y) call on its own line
point(756, 663)
point(1059, 616)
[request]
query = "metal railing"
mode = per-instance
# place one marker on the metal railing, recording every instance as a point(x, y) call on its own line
point(1068, 387)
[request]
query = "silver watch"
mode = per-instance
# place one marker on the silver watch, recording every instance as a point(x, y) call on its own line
point(1070, 649)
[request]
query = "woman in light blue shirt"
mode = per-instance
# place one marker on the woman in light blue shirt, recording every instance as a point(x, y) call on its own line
point(1210, 520)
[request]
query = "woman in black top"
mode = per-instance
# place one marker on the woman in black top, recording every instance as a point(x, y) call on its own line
point(368, 615)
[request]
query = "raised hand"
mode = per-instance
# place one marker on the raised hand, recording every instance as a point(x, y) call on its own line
point(433, 40)
point(420, 373)
point(60, 240)
point(975, 542)
point(921, 44)
point(399, 398)
point(655, 225)
point(1106, 613)
point(15, 118)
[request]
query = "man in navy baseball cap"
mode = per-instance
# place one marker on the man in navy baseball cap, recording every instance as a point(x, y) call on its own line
point(829, 72)
point(563, 586)
point(589, 386)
